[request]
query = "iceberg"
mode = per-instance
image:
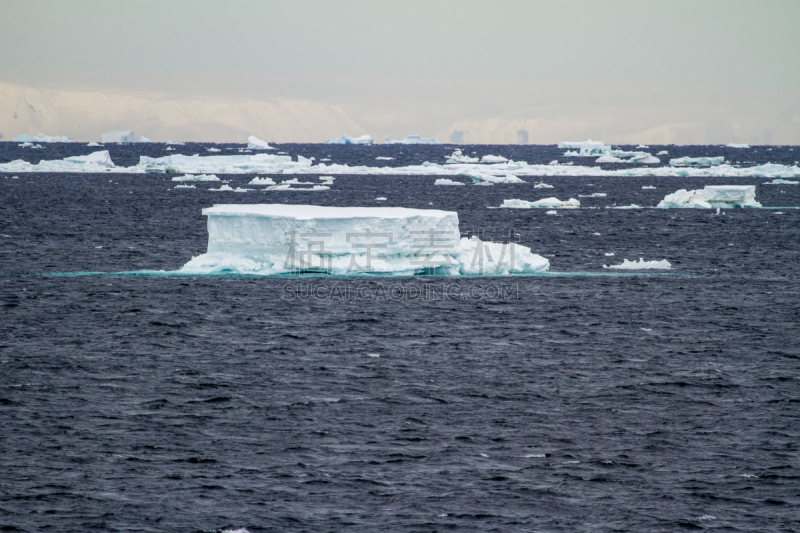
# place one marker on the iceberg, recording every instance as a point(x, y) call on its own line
point(170, 141)
point(92, 143)
point(42, 138)
point(126, 136)
point(542, 185)
point(275, 239)
point(191, 177)
point(445, 181)
point(144, 139)
point(413, 139)
point(346, 139)
point(544, 203)
point(254, 143)
point(722, 196)
point(620, 156)
point(493, 159)
point(778, 181)
point(586, 148)
point(262, 181)
point(593, 195)
point(663, 152)
point(458, 157)
point(697, 161)
point(489, 179)
point(641, 265)
point(734, 145)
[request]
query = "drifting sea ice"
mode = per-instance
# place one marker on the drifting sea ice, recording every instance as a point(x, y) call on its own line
point(493, 159)
point(181, 186)
point(546, 203)
point(346, 139)
point(587, 148)
point(663, 152)
point(697, 161)
point(278, 239)
point(458, 157)
point(733, 145)
point(490, 179)
point(778, 181)
point(192, 177)
point(254, 143)
point(645, 187)
point(641, 265)
point(413, 139)
point(93, 144)
point(542, 185)
point(262, 181)
point(445, 181)
point(126, 136)
point(724, 196)
point(593, 195)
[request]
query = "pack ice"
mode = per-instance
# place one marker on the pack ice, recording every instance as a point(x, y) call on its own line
point(274, 239)
point(346, 139)
point(126, 136)
point(724, 196)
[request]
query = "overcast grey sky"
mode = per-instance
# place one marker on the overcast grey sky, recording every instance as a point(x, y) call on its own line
point(428, 67)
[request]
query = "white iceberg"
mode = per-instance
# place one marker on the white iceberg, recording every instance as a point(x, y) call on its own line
point(544, 203)
point(170, 141)
point(646, 187)
point(445, 181)
point(641, 265)
point(346, 139)
point(778, 181)
point(734, 145)
point(488, 179)
point(722, 196)
point(493, 159)
point(413, 139)
point(192, 177)
point(126, 136)
point(262, 181)
point(92, 143)
point(593, 195)
point(621, 156)
point(663, 152)
point(458, 157)
point(275, 239)
point(254, 143)
point(143, 139)
point(95, 162)
point(542, 185)
point(588, 148)
point(697, 161)
point(42, 138)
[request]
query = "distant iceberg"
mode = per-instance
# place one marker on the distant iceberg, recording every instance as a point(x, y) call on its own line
point(458, 157)
point(544, 203)
point(275, 239)
point(346, 139)
point(126, 136)
point(641, 265)
point(445, 181)
point(493, 159)
point(42, 138)
point(586, 148)
point(254, 143)
point(412, 139)
point(697, 161)
point(733, 145)
point(170, 141)
point(721, 196)
point(144, 139)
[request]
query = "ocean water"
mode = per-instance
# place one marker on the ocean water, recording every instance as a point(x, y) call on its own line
point(578, 401)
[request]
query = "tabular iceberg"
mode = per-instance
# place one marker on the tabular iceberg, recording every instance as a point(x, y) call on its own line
point(126, 136)
point(724, 196)
point(346, 139)
point(413, 139)
point(273, 239)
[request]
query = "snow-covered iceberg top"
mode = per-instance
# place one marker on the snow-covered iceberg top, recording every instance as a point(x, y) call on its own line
point(346, 139)
point(42, 138)
point(697, 161)
point(641, 265)
point(126, 136)
point(274, 239)
point(724, 196)
point(413, 139)
point(254, 143)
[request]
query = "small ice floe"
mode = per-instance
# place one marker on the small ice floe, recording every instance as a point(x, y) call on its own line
point(593, 195)
point(98, 247)
point(93, 144)
point(212, 149)
point(458, 157)
point(646, 329)
point(383, 158)
point(663, 152)
point(490, 179)
point(697, 161)
point(734, 145)
point(185, 187)
point(198, 177)
point(288, 187)
point(169, 148)
point(642, 146)
point(551, 213)
point(327, 180)
point(493, 159)
point(325, 159)
point(778, 181)
point(534, 455)
point(483, 455)
point(223, 187)
point(553, 163)
point(14, 177)
point(542, 185)
point(380, 199)
point(596, 234)
point(445, 181)
point(373, 355)
point(646, 187)
point(546, 203)
point(610, 254)
point(261, 181)
point(632, 206)
point(706, 517)
point(254, 143)
point(641, 265)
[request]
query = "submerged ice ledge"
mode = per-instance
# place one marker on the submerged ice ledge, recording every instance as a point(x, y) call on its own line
point(276, 239)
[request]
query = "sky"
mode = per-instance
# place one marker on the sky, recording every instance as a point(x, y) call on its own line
point(645, 71)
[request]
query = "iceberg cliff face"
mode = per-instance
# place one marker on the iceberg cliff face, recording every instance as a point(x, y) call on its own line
point(724, 196)
point(272, 239)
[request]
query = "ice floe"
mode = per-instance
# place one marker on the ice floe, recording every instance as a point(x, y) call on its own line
point(413, 139)
point(274, 239)
point(641, 265)
point(192, 177)
point(542, 185)
point(458, 157)
point(663, 152)
point(779, 181)
point(697, 161)
point(143, 139)
point(493, 159)
point(734, 145)
point(126, 136)
point(646, 187)
point(346, 139)
point(254, 143)
point(183, 186)
point(445, 181)
point(720, 196)
point(545, 203)
point(42, 138)
point(93, 144)
point(588, 148)
point(490, 179)
point(262, 181)
point(593, 195)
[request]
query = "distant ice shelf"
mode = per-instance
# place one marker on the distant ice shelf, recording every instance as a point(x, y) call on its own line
point(276, 239)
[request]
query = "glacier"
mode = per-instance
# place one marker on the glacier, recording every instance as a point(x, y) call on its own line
point(126, 136)
point(254, 143)
point(720, 196)
point(346, 139)
point(42, 138)
point(641, 265)
point(276, 239)
point(412, 139)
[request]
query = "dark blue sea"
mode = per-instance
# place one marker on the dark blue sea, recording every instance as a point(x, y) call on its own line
point(581, 401)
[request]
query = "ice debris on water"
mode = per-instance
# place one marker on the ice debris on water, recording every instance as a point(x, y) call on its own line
point(645, 187)
point(697, 161)
point(778, 181)
point(489, 179)
point(262, 181)
point(380, 199)
point(192, 177)
point(383, 158)
point(346, 139)
point(126, 136)
point(212, 149)
point(93, 144)
point(412, 139)
point(252, 239)
point(542, 185)
point(42, 138)
point(641, 265)
point(586, 148)
point(182, 186)
point(632, 206)
point(493, 159)
point(458, 157)
point(725, 196)
point(593, 195)
point(445, 181)
point(663, 152)
point(546, 203)
point(254, 143)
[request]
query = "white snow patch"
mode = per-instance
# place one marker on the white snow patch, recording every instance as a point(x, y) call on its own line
point(641, 265)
